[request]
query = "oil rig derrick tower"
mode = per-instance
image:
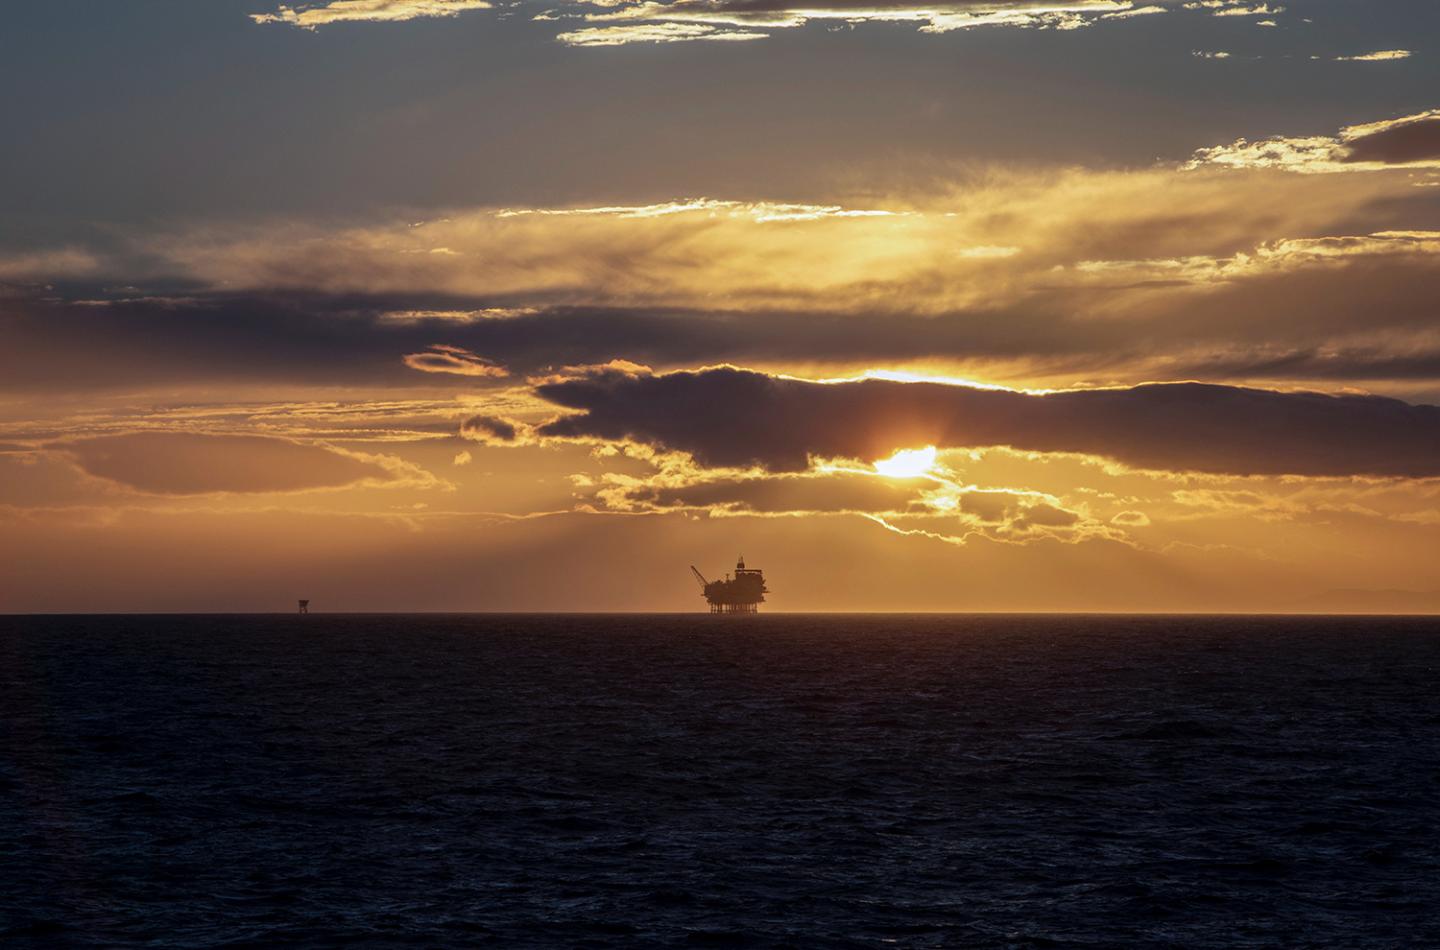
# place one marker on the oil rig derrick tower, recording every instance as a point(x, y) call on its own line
point(742, 594)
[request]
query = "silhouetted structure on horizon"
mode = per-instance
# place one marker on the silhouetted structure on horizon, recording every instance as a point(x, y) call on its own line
point(741, 595)
point(304, 606)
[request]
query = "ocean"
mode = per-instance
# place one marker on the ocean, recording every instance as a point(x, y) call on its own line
point(682, 781)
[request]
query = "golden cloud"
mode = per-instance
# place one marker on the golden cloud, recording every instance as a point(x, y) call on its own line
point(1378, 56)
point(652, 21)
point(454, 360)
point(625, 33)
point(1411, 141)
point(310, 16)
point(1037, 278)
point(620, 22)
point(994, 239)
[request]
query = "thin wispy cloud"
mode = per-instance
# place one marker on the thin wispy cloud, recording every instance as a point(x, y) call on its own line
point(455, 361)
point(610, 23)
point(1234, 8)
point(653, 21)
point(1411, 141)
point(187, 463)
point(622, 34)
point(1379, 56)
point(49, 264)
point(311, 16)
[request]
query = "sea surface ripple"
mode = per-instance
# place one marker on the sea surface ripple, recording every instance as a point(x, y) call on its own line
point(675, 781)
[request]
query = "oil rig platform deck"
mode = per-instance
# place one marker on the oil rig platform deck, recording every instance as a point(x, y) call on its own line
point(741, 594)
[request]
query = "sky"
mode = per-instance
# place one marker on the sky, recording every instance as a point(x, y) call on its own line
point(1113, 305)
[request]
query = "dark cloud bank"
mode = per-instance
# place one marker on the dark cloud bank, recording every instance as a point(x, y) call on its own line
point(488, 429)
point(1411, 142)
point(1286, 326)
point(346, 339)
point(734, 417)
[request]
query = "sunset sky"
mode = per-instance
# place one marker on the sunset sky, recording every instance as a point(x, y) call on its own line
point(969, 305)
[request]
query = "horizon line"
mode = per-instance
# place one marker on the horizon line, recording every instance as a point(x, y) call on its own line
point(705, 613)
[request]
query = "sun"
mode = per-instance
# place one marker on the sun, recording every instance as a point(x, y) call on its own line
point(908, 463)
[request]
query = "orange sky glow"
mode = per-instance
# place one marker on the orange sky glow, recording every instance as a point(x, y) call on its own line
point(922, 352)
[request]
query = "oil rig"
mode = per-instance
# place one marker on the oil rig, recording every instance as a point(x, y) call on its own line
point(742, 594)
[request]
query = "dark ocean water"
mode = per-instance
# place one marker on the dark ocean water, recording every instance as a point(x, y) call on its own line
point(658, 781)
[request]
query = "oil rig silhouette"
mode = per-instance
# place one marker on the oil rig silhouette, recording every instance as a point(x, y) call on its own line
point(741, 595)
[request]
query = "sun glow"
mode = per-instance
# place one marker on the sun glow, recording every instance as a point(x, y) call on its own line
point(908, 463)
